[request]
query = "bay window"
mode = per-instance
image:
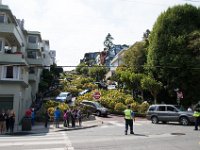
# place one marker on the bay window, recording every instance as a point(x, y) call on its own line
point(10, 72)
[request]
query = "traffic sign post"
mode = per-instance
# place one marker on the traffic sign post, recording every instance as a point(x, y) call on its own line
point(96, 95)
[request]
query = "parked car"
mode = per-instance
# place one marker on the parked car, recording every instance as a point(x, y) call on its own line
point(84, 92)
point(101, 85)
point(111, 86)
point(95, 108)
point(64, 97)
point(169, 113)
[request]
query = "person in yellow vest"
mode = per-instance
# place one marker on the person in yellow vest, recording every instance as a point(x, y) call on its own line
point(129, 117)
point(197, 116)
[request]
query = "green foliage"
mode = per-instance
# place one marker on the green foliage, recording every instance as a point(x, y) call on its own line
point(129, 100)
point(173, 45)
point(135, 57)
point(135, 106)
point(97, 72)
point(120, 107)
point(143, 107)
point(152, 86)
point(82, 69)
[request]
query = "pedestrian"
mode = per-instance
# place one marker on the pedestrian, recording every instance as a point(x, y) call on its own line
point(69, 117)
point(79, 117)
point(57, 117)
point(73, 117)
point(12, 121)
point(129, 116)
point(2, 121)
point(32, 116)
point(7, 120)
point(47, 117)
point(65, 117)
point(197, 116)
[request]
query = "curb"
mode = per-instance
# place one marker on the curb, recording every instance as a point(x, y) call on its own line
point(92, 124)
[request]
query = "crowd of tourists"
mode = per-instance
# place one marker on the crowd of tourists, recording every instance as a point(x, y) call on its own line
point(70, 118)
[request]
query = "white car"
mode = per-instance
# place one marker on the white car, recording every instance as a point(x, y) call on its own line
point(64, 97)
point(111, 87)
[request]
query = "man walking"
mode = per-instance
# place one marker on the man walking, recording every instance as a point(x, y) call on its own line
point(129, 116)
point(57, 117)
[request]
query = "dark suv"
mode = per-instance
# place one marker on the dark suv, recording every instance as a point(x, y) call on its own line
point(95, 108)
point(169, 113)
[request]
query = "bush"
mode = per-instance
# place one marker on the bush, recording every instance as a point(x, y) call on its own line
point(120, 107)
point(143, 107)
point(129, 101)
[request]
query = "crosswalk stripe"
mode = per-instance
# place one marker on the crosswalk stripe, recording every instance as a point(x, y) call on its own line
point(8, 144)
point(108, 124)
point(50, 149)
point(60, 139)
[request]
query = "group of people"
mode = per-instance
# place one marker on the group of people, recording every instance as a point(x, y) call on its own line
point(69, 116)
point(7, 121)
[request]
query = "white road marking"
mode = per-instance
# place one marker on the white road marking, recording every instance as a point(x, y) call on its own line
point(68, 145)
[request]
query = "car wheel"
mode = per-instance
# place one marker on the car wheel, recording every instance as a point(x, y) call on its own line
point(184, 121)
point(154, 120)
point(98, 113)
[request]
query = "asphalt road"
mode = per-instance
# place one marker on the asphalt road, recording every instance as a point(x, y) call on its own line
point(110, 136)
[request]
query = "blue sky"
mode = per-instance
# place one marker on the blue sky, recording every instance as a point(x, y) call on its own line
point(75, 27)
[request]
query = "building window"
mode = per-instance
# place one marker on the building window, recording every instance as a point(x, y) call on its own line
point(11, 72)
point(32, 54)
point(2, 18)
point(32, 39)
point(31, 70)
point(1, 45)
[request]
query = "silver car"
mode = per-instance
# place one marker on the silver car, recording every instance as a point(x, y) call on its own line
point(169, 113)
point(64, 97)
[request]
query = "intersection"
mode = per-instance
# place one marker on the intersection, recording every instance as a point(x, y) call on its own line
point(108, 134)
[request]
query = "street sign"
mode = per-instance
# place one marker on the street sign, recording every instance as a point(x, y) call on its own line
point(96, 95)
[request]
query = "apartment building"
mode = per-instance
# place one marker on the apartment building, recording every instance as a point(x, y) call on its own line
point(23, 55)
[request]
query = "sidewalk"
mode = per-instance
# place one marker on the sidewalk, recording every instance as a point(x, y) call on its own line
point(40, 128)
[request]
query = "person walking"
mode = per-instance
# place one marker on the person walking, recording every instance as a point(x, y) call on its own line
point(12, 121)
point(73, 117)
point(32, 116)
point(47, 117)
point(7, 118)
point(129, 116)
point(197, 116)
point(79, 117)
point(2, 121)
point(65, 118)
point(57, 117)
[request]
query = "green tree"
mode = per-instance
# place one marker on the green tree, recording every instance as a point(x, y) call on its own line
point(135, 57)
point(173, 52)
point(151, 85)
point(97, 72)
point(82, 69)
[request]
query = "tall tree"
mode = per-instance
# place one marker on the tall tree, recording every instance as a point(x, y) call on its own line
point(172, 54)
point(135, 56)
point(97, 72)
